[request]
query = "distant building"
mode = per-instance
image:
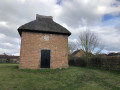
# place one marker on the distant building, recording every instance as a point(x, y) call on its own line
point(9, 59)
point(78, 53)
point(102, 54)
point(44, 44)
point(113, 54)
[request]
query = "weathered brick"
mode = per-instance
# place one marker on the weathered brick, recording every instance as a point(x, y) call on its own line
point(32, 43)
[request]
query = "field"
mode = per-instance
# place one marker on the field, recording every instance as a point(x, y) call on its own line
point(73, 78)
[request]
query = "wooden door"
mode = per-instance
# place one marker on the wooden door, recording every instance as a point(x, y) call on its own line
point(45, 59)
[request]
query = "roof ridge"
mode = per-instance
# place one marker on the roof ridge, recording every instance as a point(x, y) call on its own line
point(38, 17)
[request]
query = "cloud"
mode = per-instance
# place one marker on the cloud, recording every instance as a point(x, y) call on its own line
point(75, 15)
point(4, 24)
point(16, 13)
point(9, 45)
point(73, 11)
point(109, 36)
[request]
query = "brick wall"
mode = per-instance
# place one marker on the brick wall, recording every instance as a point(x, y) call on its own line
point(32, 43)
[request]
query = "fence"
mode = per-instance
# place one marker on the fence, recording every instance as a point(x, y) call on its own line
point(109, 63)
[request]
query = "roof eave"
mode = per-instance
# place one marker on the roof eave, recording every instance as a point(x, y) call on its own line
point(37, 31)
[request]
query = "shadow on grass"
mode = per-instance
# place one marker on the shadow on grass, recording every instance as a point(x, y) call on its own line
point(100, 69)
point(42, 70)
point(47, 70)
point(15, 67)
point(104, 70)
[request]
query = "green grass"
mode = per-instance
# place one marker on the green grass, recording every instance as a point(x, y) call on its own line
point(73, 78)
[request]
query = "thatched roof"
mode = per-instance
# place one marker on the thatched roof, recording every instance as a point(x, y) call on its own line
point(43, 24)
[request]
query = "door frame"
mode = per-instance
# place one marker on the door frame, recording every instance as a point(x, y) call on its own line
point(40, 56)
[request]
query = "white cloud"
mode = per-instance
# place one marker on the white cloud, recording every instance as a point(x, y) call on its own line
point(6, 44)
point(75, 15)
point(9, 45)
point(3, 23)
point(2, 36)
point(109, 36)
point(73, 11)
point(73, 41)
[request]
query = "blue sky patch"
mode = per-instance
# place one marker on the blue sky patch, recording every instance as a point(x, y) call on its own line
point(118, 0)
point(115, 5)
point(59, 2)
point(109, 20)
point(108, 17)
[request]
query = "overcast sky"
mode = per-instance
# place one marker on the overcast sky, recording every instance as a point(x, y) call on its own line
point(100, 16)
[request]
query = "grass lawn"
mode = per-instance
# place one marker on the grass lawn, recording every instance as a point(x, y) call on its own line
point(73, 78)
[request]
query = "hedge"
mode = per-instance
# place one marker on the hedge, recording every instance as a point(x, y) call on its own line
point(109, 63)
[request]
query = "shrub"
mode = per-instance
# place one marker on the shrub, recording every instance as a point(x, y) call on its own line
point(109, 63)
point(106, 62)
point(77, 61)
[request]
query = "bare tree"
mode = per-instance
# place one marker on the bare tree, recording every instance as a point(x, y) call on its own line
point(71, 47)
point(88, 41)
